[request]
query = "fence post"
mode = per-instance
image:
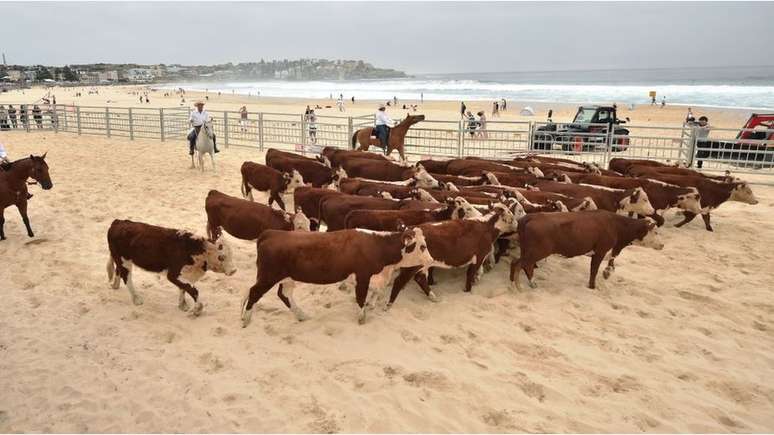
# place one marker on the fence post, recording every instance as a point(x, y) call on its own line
point(303, 134)
point(260, 131)
point(531, 137)
point(225, 128)
point(131, 125)
point(54, 119)
point(161, 123)
point(107, 121)
point(460, 140)
point(350, 132)
point(78, 118)
point(692, 148)
point(66, 127)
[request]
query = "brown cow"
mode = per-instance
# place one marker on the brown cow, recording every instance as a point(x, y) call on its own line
point(544, 198)
point(387, 171)
point(485, 178)
point(308, 199)
point(652, 171)
point(662, 196)
point(621, 165)
point(615, 200)
point(246, 220)
point(333, 156)
point(184, 257)
point(314, 173)
point(359, 186)
point(457, 243)
point(273, 153)
point(334, 209)
point(579, 233)
point(435, 166)
point(713, 194)
point(266, 179)
point(370, 257)
point(474, 168)
point(389, 220)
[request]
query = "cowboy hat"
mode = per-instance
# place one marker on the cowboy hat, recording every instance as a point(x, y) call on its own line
point(381, 107)
point(199, 102)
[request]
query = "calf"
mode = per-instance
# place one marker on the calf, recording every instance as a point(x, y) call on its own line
point(246, 220)
point(466, 167)
point(435, 166)
point(713, 194)
point(184, 257)
point(308, 199)
point(390, 220)
point(317, 174)
point(544, 198)
point(334, 209)
point(621, 165)
point(359, 186)
point(615, 200)
point(273, 153)
point(266, 179)
point(370, 257)
point(662, 196)
point(572, 234)
point(457, 243)
point(333, 156)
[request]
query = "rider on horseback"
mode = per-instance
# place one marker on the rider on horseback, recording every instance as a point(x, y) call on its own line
point(197, 118)
point(383, 123)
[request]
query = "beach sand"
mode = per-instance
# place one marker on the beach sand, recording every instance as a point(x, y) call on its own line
point(127, 96)
point(679, 340)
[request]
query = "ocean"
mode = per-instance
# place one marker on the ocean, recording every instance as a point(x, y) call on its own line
point(728, 87)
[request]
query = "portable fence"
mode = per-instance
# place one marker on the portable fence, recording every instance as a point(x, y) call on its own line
point(739, 150)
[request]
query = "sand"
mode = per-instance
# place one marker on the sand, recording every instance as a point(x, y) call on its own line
point(677, 340)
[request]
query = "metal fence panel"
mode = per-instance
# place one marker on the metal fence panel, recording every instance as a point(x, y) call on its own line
point(497, 140)
point(748, 152)
point(593, 146)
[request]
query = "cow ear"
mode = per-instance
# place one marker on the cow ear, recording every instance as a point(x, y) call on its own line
point(286, 176)
point(400, 225)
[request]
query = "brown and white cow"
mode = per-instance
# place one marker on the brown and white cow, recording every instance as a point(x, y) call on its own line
point(314, 173)
point(579, 233)
point(266, 179)
point(333, 156)
point(616, 200)
point(308, 199)
point(370, 257)
point(334, 209)
point(474, 168)
point(390, 220)
point(246, 220)
point(486, 178)
point(457, 243)
point(182, 256)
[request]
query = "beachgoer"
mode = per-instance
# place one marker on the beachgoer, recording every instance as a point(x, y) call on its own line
point(495, 109)
point(652, 100)
point(421, 97)
point(196, 120)
point(353, 99)
point(663, 102)
point(689, 118)
point(243, 118)
point(382, 125)
point(701, 131)
point(146, 99)
point(12, 116)
point(482, 125)
point(502, 106)
point(472, 123)
point(140, 99)
point(53, 99)
point(340, 104)
point(463, 108)
point(37, 116)
point(395, 100)
point(312, 123)
point(3, 155)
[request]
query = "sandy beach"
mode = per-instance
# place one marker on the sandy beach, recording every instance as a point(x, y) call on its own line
point(128, 96)
point(679, 340)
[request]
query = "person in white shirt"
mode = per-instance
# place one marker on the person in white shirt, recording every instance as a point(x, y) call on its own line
point(383, 124)
point(3, 154)
point(197, 118)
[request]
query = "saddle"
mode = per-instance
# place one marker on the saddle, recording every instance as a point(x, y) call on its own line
point(373, 134)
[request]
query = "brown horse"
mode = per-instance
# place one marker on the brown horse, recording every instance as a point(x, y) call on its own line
point(13, 186)
point(396, 141)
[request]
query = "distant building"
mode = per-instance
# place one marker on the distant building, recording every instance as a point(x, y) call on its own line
point(15, 75)
point(139, 74)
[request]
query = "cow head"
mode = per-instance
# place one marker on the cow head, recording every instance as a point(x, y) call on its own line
point(514, 206)
point(690, 201)
point(586, 204)
point(464, 210)
point(743, 193)
point(531, 187)
point(219, 257)
point(422, 195)
point(649, 237)
point(490, 178)
point(414, 251)
point(450, 187)
point(385, 195)
point(424, 179)
point(559, 206)
point(636, 201)
point(592, 168)
point(535, 171)
point(300, 221)
point(292, 180)
point(505, 221)
point(323, 159)
point(338, 175)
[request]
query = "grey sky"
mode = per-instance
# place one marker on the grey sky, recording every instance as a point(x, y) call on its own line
point(415, 37)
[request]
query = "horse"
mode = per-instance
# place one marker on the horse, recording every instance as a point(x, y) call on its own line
point(204, 144)
point(13, 186)
point(396, 140)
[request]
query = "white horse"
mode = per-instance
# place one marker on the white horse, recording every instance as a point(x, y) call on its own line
point(204, 144)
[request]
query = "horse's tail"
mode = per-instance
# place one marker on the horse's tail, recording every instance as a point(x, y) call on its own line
point(354, 140)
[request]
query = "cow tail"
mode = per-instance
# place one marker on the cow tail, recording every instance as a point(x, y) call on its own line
point(111, 268)
point(354, 140)
point(244, 187)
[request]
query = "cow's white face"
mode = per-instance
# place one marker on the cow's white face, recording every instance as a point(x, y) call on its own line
point(652, 238)
point(690, 202)
point(535, 171)
point(451, 187)
point(220, 258)
point(301, 222)
point(506, 222)
point(587, 204)
point(492, 179)
point(424, 179)
point(296, 180)
point(415, 252)
point(423, 195)
point(560, 207)
point(515, 207)
point(743, 193)
point(339, 175)
point(637, 202)
point(464, 210)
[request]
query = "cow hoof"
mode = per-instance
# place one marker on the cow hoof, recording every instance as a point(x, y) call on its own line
point(197, 308)
point(361, 316)
point(115, 284)
point(388, 306)
point(433, 297)
point(532, 284)
point(606, 273)
point(301, 316)
point(487, 267)
point(30, 234)
point(514, 286)
point(246, 314)
point(137, 300)
point(183, 306)
point(708, 229)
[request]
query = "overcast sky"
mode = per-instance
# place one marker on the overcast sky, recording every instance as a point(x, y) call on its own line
point(414, 37)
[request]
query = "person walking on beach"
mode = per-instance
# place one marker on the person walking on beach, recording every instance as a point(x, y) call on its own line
point(495, 109)
point(353, 99)
point(196, 120)
point(421, 97)
point(482, 125)
point(653, 100)
point(395, 101)
point(382, 125)
point(37, 116)
point(463, 109)
point(663, 102)
point(140, 99)
point(243, 118)
point(502, 106)
point(701, 132)
point(53, 100)
point(340, 103)
point(472, 124)
point(12, 116)
point(689, 118)
point(312, 125)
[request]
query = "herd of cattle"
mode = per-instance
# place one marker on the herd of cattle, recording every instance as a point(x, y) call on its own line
point(384, 218)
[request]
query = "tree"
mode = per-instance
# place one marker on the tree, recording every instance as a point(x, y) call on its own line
point(69, 75)
point(42, 73)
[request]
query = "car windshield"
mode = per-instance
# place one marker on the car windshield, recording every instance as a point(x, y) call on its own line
point(585, 114)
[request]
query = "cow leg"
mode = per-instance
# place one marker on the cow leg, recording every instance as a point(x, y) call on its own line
point(431, 276)
point(285, 293)
point(472, 273)
point(278, 198)
point(22, 206)
point(421, 279)
point(256, 292)
point(400, 281)
point(125, 269)
point(609, 269)
point(529, 270)
point(706, 217)
point(596, 260)
point(502, 248)
point(687, 217)
point(658, 218)
point(361, 292)
point(2, 224)
point(174, 278)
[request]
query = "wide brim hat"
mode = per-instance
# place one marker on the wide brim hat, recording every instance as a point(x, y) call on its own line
point(199, 102)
